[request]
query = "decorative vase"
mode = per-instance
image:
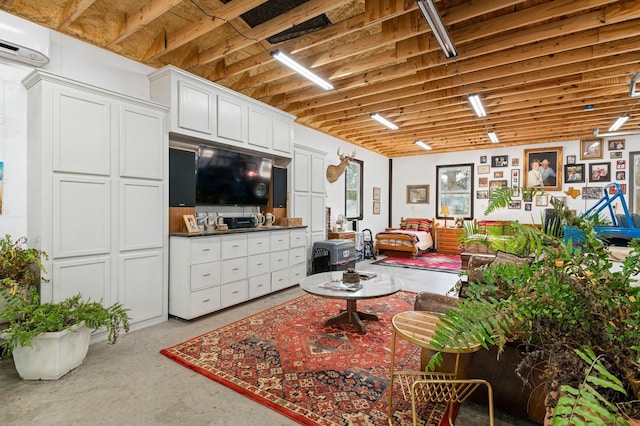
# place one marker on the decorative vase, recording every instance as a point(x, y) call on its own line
point(52, 355)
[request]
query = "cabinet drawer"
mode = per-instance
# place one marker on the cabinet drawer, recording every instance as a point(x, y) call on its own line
point(259, 264)
point(279, 240)
point(205, 275)
point(297, 255)
point(258, 243)
point(203, 250)
point(279, 280)
point(279, 260)
point(234, 293)
point(234, 246)
point(297, 274)
point(259, 286)
point(234, 269)
point(205, 301)
point(297, 238)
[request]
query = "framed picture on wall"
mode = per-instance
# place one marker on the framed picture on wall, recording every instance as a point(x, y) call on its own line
point(543, 168)
point(417, 194)
point(376, 193)
point(484, 169)
point(483, 182)
point(600, 172)
point(571, 159)
point(591, 192)
point(495, 184)
point(616, 144)
point(376, 207)
point(541, 200)
point(515, 204)
point(574, 173)
point(500, 161)
point(591, 149)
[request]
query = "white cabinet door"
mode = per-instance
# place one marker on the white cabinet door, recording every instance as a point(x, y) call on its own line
point(301, 165)
point(141, 214)
point(141, 156)
point(231, 118)
point(90, 276)
point(317, 213)
point(259, 128)
point(140, 273)
point(196, 108)
point(282, 135)
point(317, 174)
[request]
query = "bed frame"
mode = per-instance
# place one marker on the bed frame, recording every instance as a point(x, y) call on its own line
point(399, 245)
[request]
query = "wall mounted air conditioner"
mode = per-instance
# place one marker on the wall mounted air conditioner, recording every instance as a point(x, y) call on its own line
point(24, 41)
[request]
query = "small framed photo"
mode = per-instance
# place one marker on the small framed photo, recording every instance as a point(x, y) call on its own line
point(616, 144)
point(500, 161)
point(495, 184)
point(527, 207)
point(515, 162)
point(574, 173)
point(621, 175)
point(613, 190)
point(541, 200)
point(591, 193)
point(498, 175)
point(484, 169)
point(600, 172)
point(562, 200)
point(190, 221)
point(571, 159)
point(515, 205)
point(621, 164)
point(483, 159)
point(376, 207)
point(515, 182)
point(615, 154)
point(482, 195)
point(417, 194)
point(376, 193)
point(483, 182)
point(527, 196)
point(591, 149)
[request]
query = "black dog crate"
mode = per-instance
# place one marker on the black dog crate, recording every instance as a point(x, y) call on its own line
point(333, 255)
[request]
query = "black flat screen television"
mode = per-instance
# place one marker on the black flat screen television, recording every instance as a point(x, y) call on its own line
point(228, 178)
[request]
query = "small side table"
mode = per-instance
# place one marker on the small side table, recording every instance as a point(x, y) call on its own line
point(418, 328)
point(345, 235)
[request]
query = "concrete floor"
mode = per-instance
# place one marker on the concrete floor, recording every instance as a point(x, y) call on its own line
point(130, 383)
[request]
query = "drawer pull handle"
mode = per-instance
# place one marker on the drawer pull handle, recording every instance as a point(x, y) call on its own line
point(235, 246)
point(260, 285)
point(206, 300)
point(206, 275)
point(259, 264)
point(235, 292)
point(206, 249)
point(235, 269)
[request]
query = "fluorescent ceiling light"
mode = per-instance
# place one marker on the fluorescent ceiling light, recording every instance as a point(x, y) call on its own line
point(380, 119)
point(493, 137)
point(619, 122)
point(278, 55)
point(476, 103)
point(423, 145)
point(437, 27)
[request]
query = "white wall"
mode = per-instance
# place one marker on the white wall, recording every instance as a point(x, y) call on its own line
point(423, 171)
point(376, 174)
point(70, 58)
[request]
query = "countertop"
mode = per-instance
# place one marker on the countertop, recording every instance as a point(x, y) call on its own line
point(234, 231)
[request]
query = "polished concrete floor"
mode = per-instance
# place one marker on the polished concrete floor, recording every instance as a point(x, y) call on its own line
point(130, 383)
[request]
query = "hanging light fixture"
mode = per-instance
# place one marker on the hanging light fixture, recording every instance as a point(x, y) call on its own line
point(493, 137)
point(476, 103)
point(619, 122)
point(422, 145)
point(279, 56)
point(380, 119)
point(437, 27)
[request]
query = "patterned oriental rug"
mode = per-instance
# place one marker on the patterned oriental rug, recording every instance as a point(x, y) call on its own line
point(287, 360)
point(426, 261)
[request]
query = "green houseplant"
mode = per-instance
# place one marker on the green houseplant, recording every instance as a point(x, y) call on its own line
point(566, 304)
point(48, 340)
point(20, 266)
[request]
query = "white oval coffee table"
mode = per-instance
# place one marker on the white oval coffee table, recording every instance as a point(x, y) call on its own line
point(379, 286)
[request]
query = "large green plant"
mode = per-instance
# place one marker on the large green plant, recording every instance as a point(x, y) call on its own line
point(28, 318)
point(566, 301)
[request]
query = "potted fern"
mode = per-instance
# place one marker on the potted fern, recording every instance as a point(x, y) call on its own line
point(48, 340)
point(578, 318)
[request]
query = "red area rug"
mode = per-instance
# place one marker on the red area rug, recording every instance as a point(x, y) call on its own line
point(287, 360)
point(426, 261)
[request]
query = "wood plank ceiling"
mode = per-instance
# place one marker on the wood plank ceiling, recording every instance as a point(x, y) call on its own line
point(537, 64)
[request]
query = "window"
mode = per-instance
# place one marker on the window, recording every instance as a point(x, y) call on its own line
point(454, 189)
point(353, 189)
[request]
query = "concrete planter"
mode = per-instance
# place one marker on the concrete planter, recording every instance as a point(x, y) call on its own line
point(52, 355)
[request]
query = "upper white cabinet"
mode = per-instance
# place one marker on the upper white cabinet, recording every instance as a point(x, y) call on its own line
point(97, 166)
point(210, 112)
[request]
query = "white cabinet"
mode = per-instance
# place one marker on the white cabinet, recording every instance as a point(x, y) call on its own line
point(97, 164)
point(208, 273)
point(212, 113)
point(309, 198)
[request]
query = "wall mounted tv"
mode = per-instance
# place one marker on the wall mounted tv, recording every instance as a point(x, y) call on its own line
point(228, 178)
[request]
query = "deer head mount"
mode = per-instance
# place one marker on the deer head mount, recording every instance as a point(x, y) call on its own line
point(335, 171)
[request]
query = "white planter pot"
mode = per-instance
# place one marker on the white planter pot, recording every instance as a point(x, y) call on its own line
point(52, 355)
